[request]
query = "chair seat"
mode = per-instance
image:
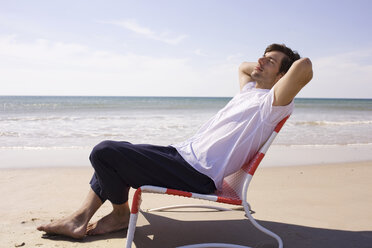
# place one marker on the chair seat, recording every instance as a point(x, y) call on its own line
point(224, 196)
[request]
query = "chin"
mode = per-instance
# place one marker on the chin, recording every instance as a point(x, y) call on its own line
point(255, 75)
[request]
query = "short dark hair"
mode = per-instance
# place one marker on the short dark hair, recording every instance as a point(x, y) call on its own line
point(288, 60)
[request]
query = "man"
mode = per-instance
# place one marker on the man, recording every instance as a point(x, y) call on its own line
point(218, 149)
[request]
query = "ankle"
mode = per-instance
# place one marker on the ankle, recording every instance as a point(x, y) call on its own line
point(121, 210)
point(81, 216)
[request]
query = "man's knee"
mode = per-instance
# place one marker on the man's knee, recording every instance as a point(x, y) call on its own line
point(102, 149)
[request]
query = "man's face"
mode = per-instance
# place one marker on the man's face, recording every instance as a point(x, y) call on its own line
point(268, 68)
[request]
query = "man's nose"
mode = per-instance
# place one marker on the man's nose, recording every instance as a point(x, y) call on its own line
point(262, 60)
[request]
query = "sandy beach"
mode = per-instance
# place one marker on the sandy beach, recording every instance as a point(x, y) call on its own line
point(326, 205)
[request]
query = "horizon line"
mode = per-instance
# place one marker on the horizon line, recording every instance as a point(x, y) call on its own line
point(333, 98)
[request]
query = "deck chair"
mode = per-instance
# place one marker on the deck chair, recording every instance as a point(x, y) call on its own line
point(234, 192)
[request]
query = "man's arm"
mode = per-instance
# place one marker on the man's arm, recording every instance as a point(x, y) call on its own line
point(245, 70)
point(292, 82)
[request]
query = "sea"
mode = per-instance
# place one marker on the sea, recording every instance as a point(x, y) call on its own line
point(80, 122)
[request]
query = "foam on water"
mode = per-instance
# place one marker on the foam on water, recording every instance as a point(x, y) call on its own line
point(42, 123)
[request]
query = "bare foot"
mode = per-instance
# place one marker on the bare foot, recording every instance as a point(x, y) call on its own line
point(72, 226)
point(110, 223)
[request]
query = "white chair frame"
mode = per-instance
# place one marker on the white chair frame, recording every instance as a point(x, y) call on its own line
point(234, 192)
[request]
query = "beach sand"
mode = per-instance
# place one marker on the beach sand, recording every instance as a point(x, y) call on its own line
point(323, 206)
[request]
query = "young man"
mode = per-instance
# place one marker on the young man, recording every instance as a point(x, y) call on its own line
point(218, 149)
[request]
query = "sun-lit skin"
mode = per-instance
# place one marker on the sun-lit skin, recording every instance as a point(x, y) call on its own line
point(266, 73)
point(77, 225)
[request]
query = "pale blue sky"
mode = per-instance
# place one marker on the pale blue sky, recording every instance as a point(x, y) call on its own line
point(178, 48)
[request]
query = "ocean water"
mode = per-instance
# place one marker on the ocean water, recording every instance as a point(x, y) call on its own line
point(50, 122)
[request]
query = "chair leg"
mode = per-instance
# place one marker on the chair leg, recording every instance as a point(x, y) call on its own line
point(247, 210)
point(214, 245)
point(261, 228)
point(131, 229)
point(133, 217)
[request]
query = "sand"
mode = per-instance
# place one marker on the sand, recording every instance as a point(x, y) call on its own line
point(328, 205)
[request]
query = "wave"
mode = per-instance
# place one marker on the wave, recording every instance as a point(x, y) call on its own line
point(44, 147)
point(333, 123)
point(122, 117)
point(323, 145)
point(9, 134)
point(48, 118)
point(85, 147)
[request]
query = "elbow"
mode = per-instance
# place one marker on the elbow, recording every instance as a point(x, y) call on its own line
point(243, 67)
point(247, 67)
point(306, 68)
point(305, 63)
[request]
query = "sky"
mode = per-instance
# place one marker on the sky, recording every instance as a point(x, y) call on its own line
point(178, 47)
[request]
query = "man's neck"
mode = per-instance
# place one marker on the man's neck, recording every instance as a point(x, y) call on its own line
point(263, 85)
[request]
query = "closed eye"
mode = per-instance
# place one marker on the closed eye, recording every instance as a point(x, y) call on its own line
point(271, 59)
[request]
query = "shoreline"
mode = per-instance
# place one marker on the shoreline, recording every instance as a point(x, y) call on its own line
point(277, 155)
point(320, 206)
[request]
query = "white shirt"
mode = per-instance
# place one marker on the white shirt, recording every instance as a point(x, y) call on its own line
point(234, 134)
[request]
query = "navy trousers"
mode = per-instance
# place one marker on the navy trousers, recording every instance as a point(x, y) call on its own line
point(121, 165)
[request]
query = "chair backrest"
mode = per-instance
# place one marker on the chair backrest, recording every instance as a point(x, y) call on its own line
point(233, 185)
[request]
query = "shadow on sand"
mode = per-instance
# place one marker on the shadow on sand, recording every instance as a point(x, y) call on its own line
point(166, 232)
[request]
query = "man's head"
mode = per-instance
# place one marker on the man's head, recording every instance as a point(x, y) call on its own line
point(276, 61)
point(287, 61)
